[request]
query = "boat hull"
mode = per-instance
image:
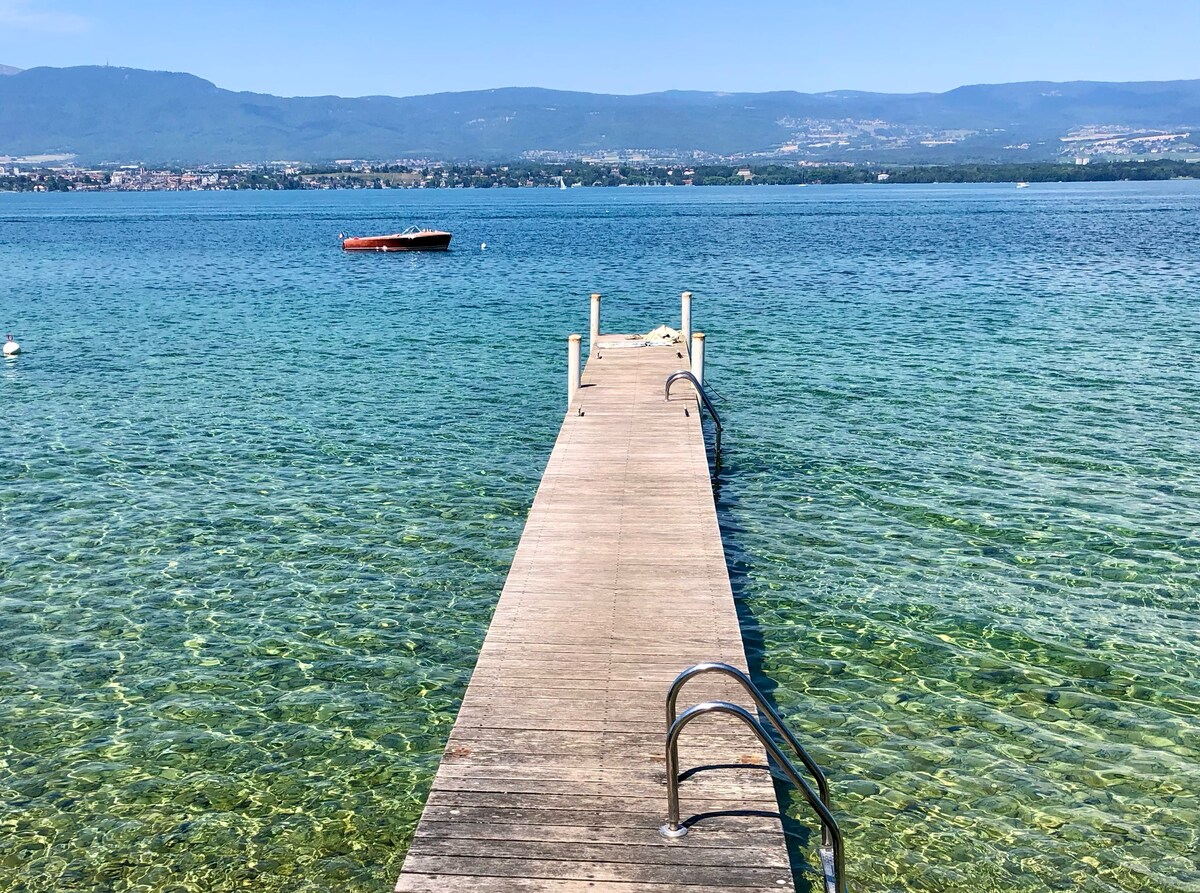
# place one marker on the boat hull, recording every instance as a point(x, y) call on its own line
point(429, 240)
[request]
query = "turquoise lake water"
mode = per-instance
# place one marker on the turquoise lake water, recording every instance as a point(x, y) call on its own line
point(258, 498)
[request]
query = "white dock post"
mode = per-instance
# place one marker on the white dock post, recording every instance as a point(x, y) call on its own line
point(685, 327)
point(573, 369)
point(698, 356)
point(594, 333)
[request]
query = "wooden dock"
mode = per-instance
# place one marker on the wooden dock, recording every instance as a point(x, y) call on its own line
point(554, 775)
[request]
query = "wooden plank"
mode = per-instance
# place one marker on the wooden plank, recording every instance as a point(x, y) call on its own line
point(644, 852)
point(555, 772)
point(708, 837)
point(747, 821)
point(608, 803)
point(415, 882)
point(632, 743)
point(553, 779)
point(596, 870)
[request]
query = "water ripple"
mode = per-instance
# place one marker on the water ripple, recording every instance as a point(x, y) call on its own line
point(257, 500)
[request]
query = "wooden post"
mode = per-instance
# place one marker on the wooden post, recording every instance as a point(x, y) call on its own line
point(685, 327)
point(698, 356)
point(573, 369)
point(594, 333)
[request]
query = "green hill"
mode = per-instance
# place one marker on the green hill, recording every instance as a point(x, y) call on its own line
point(126, 115)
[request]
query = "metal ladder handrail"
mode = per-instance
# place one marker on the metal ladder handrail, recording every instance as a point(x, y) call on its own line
point(708, 404)
point(832, 849)
point(761, 703)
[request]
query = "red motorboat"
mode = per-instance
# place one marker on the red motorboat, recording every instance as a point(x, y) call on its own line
point(412, 239)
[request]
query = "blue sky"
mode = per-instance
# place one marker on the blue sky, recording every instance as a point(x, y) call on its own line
point(311, 48)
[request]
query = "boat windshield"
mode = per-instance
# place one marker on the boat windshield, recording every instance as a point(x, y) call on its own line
point(412, 230)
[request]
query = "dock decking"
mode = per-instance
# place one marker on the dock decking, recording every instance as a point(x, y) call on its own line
point(554, 775)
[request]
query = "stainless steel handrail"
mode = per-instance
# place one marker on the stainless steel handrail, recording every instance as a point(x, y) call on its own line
point(833, 862)
point(708, 404)
point(766, 709)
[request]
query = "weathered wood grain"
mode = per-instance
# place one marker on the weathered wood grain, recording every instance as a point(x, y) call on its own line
point(554, 776)
point(415, 882)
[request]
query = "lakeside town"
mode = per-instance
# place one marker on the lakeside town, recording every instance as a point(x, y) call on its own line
point(15, 177)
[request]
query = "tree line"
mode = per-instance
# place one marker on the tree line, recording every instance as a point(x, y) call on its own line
point(579, 173)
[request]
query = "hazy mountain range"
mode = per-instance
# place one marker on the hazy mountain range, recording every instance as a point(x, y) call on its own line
point(100, 114)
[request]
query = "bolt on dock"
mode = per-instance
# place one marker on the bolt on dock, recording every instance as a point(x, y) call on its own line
point(555, 777)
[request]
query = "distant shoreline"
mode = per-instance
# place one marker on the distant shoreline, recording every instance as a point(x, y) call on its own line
point(523, 175)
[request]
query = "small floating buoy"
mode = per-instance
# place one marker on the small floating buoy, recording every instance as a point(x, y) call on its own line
point(483, 246)
point(11, 348)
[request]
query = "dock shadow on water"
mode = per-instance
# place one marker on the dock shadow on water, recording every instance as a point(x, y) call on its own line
point(993, 658)
point(801, 838)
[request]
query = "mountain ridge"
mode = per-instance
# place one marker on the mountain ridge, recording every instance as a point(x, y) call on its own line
point(101, 113)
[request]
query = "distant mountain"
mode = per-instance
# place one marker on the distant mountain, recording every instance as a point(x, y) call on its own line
point(8, 69)
point(125, 115)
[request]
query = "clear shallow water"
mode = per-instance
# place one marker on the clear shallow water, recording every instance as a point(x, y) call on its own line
point(257, 499)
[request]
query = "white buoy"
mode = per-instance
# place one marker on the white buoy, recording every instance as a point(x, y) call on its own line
point(483, 246)
point(11, 348)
